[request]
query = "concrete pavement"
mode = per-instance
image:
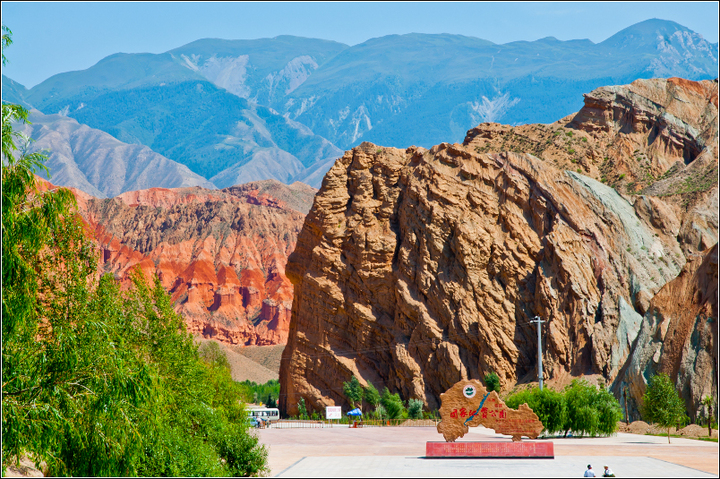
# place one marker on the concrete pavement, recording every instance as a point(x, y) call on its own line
point(564, 466)
point(374, 451)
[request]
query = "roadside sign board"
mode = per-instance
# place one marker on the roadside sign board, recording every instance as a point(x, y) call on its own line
point(333, 412)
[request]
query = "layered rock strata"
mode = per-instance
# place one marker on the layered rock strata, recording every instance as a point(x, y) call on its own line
point(221, 254)
point(417, 268)
point(678, 337)
point(653, 137)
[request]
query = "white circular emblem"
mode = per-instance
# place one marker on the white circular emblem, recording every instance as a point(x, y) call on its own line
point(469, 391)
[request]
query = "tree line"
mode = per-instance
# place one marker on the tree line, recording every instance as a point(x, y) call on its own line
point(580, 408)
point(98, 380)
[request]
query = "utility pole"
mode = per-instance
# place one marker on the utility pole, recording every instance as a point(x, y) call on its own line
point(539, 322)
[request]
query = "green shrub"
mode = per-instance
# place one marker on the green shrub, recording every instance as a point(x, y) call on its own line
point(372, 396)
point(393, 405)
point(415, 408)
point(302, 410)
point(609, 411)
point(380, 412)
point(548, 404)
point(353, 392)
point(590, 410)
point(492, 382)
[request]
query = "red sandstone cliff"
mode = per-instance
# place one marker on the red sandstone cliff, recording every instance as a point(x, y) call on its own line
point(416, 268)
point(220, 253)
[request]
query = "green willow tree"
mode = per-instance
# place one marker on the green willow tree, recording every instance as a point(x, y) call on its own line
point(353, 391)
point(99, 381)
point(371, 395)
point(662, 403)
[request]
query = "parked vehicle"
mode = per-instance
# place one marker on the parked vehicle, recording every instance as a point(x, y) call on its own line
point(265, 414)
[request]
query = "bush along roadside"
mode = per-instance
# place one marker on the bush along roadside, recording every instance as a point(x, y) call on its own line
point(580, 408)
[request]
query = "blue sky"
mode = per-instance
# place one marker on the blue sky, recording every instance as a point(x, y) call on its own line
point(52, 38)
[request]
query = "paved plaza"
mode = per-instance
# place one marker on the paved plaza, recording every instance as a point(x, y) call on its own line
point(400, 451)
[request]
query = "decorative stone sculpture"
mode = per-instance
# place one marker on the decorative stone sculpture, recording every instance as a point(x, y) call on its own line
point(468, 403)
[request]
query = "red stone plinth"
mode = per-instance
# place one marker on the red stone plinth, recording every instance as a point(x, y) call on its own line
point(488, 450)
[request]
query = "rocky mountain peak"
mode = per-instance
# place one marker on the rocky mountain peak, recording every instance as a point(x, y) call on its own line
point(417, 268)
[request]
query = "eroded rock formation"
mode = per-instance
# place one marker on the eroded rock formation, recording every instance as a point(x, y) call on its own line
point(418, 268)
point(679, 337)
point(220, 253)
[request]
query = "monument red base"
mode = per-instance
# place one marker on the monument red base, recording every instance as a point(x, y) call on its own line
point(491, 450)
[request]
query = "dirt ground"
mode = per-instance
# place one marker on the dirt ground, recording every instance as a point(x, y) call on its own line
point(288, 446)
point(254, 363)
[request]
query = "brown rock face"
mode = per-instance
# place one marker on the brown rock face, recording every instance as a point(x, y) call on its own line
point(220, 254)
point(679, 337)
point(416, 269)
point(653, 137)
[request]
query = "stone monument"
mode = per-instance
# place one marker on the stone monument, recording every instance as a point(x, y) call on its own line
point(468, 404)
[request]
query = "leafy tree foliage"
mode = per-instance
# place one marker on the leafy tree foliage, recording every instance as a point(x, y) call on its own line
point(98, 381)
point(415, 408)
point(549, 405)
point(393, 405)
point(609, 410)
point(302, 410)
point(380, 412)
point(353, 391)
point(709, 403)
point(212, 353)
point(267, 393)
point(492, 382)
point(662, 403)
point(590, 410)
point(581, 408)
point(372, 396)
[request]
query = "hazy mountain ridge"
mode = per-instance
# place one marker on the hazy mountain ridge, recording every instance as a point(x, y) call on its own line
point(97, 163)
point(263, 70)
point(14, 92)
point(397, 90)
point(385, 90)
point(216, 134)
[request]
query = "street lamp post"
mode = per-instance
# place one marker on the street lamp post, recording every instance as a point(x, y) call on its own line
point(539, 322)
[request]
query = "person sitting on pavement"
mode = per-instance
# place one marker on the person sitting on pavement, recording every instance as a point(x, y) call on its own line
point(589, 471)
point(608, 472)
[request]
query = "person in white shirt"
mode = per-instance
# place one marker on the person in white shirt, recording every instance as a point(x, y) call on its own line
point(608, 472)
point(589, 472)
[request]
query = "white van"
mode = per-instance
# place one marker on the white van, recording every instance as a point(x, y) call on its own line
point(266, 413)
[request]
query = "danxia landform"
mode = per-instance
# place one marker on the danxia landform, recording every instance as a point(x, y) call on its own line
point(417, 268)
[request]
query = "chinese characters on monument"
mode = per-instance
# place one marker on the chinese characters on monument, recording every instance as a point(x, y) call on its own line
point(468, 404)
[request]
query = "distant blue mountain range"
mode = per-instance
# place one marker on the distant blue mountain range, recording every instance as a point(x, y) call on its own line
point(284, 108)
